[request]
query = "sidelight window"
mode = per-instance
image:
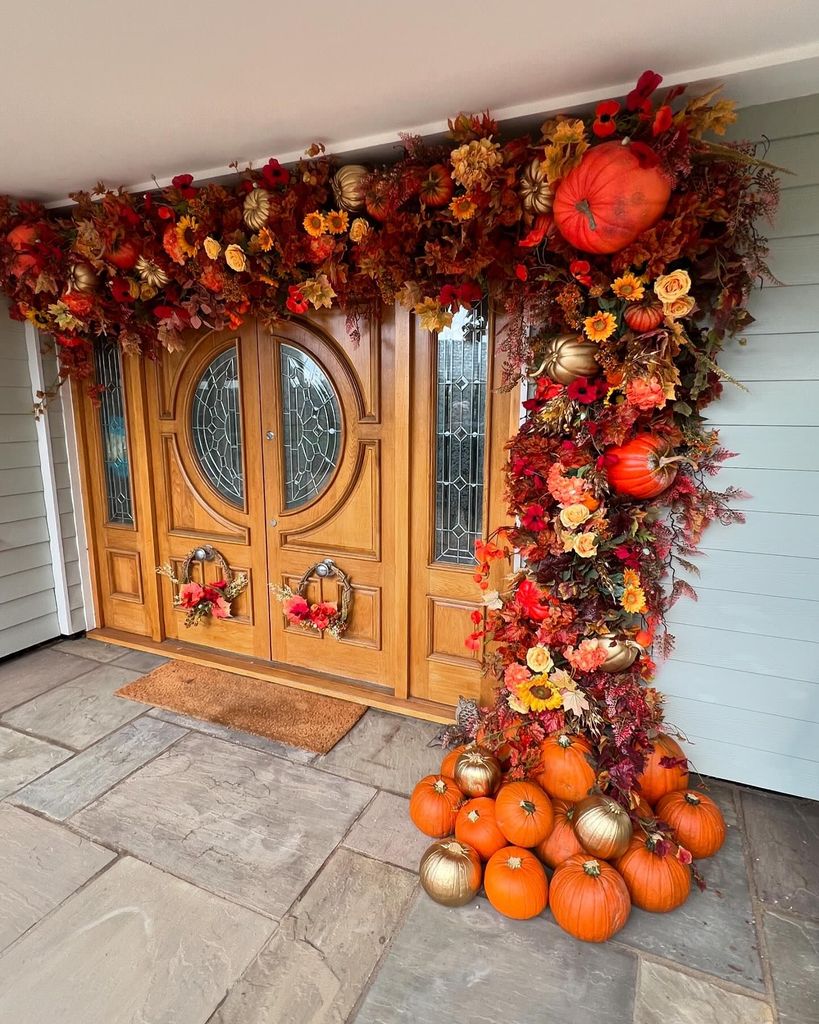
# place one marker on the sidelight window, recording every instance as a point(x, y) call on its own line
point(117, 471)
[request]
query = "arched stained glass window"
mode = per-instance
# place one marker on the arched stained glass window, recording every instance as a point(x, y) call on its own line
point(311, 427)
point(217, 426)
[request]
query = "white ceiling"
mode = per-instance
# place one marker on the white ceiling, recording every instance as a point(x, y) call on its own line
point(103, 89)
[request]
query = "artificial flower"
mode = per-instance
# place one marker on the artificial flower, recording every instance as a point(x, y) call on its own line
point(190, 594)
point(314, 224)
point(677, 308)
point(521, 273)
point(183, 183)
point(538, 694)
point(573, 516)
point(515, 674)
point(321, 248)
point(530, 598)
point(274, 175)
point(462, 208)
point(473, 163)
point(170, 243)
point(633, 599)
point(628, 287)
point(492, 600)
point(662, 120)
point(212, 278)
point(359, 229)
point(646, 85)
point(336, 221)
point(432, 316)
point(585, 544)
point(532, 518)
point(568, 490)
point(235, 258)
point(580, 271)
point(212, 248)
point(645, 393)
point(516, 704)
point(296, 608)
point(318, 291)
point(539, 659)
point(220, 608)
point(671, 286)
point(600, 326)
point(567, 144)
point(604, 114)
point(631, 578)
point(588, 656)
point(265, 239)
point(296, 302)
point(186, 235)
point(586, 391)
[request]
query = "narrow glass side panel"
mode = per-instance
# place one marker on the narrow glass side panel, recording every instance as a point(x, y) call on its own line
point(114, 438)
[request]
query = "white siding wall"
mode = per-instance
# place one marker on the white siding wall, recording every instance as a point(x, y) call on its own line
point(744, 682)
point(28, 610)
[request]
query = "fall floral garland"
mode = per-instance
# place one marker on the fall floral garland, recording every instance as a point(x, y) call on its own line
point(622, 248)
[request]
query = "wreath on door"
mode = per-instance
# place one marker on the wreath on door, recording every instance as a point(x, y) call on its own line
point(325, 616)
point(205, 600)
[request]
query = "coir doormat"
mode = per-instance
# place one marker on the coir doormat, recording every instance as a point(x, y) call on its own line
point(297, 717)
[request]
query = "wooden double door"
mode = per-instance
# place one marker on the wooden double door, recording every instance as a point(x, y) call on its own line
point(283, 451)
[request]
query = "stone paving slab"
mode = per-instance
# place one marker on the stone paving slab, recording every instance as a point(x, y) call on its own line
point(318, 962)
point(29, 675)
point(140, 661)
point(81, 711)
point(247, 739)
point(95, 650)
point(793, 952)
point(88, 775)
point(472, 965)
point(40, 865)
point(385, 750)
point(23, 758)
point(783, 834)
point(384, 831)
point(237, 822)
point(714, 930)
point(666, 996)
point(136, 946)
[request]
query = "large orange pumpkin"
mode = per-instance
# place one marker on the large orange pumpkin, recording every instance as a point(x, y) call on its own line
point(642, 469)
point(697, 822)
point(562, 842)
point(656, 881)
point(566, 771)
point(516, 883)
point(616, 192)
point(448, 763)
point(589, 899)
point(524, 813)
point(475, 825)
point(656, 780)
point(434, 804)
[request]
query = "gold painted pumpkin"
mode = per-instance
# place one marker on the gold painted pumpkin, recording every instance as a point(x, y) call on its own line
point(347, 182)
point(535, 191)
point(477, 772)
point(256, 209)
point(450, 872)
point(621, 654)
point(568, 357)
point(83, 277)
point(602, 826)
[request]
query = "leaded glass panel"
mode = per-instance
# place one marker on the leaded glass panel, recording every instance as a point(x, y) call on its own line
point(217, 426)
point(460, 431)
point(311, 427)
point(114, 436)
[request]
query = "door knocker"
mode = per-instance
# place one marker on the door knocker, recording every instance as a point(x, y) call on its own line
point(205, 600)
point(326, 616)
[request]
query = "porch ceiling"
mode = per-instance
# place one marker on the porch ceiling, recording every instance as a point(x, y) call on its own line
point(126, 92)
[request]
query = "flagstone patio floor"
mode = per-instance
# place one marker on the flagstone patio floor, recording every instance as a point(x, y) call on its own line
point(155, 869)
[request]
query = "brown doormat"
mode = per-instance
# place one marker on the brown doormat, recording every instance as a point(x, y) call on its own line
point(297, 717)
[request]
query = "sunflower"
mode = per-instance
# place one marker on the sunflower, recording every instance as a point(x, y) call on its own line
point(600, 326)
point(186, 235)
point(631, 578)
point(314, 224)
point(462, 208)
point(336, 222)
point(633, 599)
point(628, 287)
point(539, 694)
point(265, 240)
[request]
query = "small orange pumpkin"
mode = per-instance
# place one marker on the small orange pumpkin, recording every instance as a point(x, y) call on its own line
point(448, 763)
point(656, 780)
point(434, 804)
point(475, 825)
point(643, 316)
point(524, 813)
point(656, 881)
point(697, 822)
point(566, 771)
point(562, 842)
point(589, 899)
point(516, 883)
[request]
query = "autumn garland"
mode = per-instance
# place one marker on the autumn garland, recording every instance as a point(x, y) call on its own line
point(641, 302)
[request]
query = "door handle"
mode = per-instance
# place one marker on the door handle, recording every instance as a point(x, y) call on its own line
point(274, 522)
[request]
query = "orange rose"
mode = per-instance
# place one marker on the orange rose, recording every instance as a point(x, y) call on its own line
point(585, 545)
point(678, 307)
point(672, 286)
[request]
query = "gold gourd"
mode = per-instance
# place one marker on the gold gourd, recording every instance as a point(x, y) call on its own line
point(567, 358)
point(84, 278)
point(535, 191)
point(621, 654)
point(602, 826)
point(450, 872)
point(347, 186)
point(256, 209)
point(477, 772)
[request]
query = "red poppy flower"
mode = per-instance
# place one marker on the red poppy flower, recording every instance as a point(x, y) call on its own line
point(646, 84)
point(521, 273)
point(540, 229)
point(469, 292)
point(579, 269)
point(296, 302)
point(165, 213)
point(448, 297)
point(274, 175)
point(545, 391)
point(120, 290)
point(662, 120)
point(585, 391)
point(532, 518)
point(69, 340)
point(604, 114)
point(477, 617)
point(183, 182)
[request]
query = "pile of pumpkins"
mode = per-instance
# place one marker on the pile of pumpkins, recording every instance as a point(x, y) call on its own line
point(503, 835)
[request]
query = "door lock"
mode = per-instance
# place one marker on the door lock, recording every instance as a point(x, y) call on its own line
point(270, 435)
point(274, 522)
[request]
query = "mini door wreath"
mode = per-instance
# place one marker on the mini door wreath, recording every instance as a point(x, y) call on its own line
point(208, 600)
point(326, 616)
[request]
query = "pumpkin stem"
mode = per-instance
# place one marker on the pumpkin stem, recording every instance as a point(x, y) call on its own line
point(473, 816)
point(439, 786)
point(692, 798)
point(584, 208)
point(592, 868)
point(515, 863)
point(669, 460)
point(527, 806)
point(564, 741)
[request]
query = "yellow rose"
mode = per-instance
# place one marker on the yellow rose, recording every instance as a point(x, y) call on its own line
point(573, 516)
point(212, 248)
point(235, 258)
point(358, 229)
point(678, 307)
point(539, 659)
point(585, 545)
point(671, 286)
